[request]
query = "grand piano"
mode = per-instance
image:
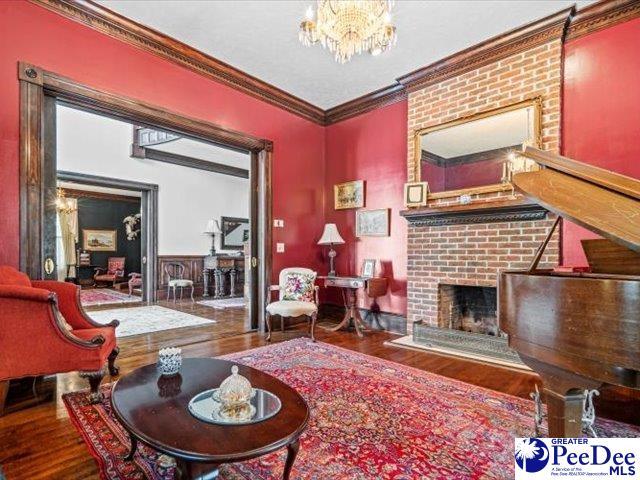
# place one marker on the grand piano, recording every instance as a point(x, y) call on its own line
point(578, 330)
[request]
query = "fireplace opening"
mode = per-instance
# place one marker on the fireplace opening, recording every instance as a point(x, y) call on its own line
point(469, 309)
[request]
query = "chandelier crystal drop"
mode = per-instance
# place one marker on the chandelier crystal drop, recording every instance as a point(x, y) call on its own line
point(64, 204)
point(348, 27)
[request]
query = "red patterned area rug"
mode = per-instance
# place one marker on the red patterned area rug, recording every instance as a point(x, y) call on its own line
point(104, 296)
point(370, 419)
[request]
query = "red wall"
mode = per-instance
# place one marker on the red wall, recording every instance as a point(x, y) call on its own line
point(601, 110)
point(33, 34)
point(601, 125)
point(372, 147)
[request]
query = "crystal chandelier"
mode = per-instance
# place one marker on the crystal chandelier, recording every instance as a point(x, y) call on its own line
point(64, 204)
point(347, 27)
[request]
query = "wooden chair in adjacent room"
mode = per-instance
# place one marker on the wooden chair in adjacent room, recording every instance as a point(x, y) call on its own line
point(113, 274)
point(175, 280)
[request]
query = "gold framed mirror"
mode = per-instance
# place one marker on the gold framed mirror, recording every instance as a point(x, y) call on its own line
point(471, 155)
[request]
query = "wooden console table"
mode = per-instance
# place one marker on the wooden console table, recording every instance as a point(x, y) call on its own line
point(220, 266)
point(374, 287)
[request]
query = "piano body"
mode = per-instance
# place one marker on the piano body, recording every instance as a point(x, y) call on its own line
point(578, 330)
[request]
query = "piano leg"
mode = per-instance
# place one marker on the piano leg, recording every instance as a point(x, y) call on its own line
point(564, 413)
point(564, 394)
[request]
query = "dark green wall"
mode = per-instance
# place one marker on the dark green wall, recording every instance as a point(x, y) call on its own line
point(108, 214)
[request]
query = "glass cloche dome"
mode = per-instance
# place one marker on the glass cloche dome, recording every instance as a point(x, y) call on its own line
point(235, 390)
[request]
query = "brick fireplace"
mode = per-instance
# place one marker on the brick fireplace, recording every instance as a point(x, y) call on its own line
point(470, 249)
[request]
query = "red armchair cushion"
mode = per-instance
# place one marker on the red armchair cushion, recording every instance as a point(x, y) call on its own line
point(11, 276)
point(67, 301)
point(105, 277)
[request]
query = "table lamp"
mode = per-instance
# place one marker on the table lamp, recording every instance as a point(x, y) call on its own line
point(331, 237)
point(213, 227)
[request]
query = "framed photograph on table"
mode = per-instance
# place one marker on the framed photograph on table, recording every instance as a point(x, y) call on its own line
point(415, 194)
point(372, 223)
point(368, 268)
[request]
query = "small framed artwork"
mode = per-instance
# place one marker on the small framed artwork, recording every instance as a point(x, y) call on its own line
point(349, 195)
point(84, 259)
point(99, 240)
point(372, 223)
point(368, 268)
point(415, 194)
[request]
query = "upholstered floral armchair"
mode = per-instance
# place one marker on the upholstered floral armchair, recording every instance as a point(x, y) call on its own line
point(298, 296)
point(45, 331)
point(114, 273)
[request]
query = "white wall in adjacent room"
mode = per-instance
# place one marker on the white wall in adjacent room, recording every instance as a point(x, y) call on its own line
point(187, 197)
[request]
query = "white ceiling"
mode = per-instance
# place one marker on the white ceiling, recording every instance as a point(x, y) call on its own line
point(261, 38)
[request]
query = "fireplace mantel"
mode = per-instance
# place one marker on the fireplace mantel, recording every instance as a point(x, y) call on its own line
point(503, 210)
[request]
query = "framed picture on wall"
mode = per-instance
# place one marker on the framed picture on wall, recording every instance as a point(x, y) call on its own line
point(372, 223)
point(349, 195)
point(99, 240)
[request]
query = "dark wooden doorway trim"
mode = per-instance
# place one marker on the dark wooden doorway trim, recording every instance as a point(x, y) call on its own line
point(37, 83)
point(149, 230)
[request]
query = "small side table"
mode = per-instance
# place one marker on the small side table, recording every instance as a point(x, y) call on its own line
point(375, 287)
point(219, 265)
point(81, 275)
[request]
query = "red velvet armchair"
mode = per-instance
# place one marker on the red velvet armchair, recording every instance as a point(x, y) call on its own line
point(44, 330)
point(113, 274)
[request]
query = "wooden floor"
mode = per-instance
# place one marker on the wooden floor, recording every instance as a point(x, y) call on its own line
point(41, 443)
point(231, 321)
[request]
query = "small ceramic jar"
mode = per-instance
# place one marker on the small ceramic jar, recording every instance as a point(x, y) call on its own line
point(169, 360)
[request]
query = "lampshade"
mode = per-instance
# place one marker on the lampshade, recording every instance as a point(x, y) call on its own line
point(330, 235)
point(213, 226)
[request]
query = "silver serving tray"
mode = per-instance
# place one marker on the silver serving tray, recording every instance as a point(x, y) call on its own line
point(206, 407)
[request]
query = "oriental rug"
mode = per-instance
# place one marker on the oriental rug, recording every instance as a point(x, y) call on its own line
point(151, 318)
point(370, 419)
point(105, 296)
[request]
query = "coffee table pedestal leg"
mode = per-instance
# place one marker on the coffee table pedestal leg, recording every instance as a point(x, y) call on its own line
point(292, 453)
point(186, 470)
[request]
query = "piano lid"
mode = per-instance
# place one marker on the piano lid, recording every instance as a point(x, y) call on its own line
point(604, 202)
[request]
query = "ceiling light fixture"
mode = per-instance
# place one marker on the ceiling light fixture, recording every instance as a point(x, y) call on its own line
point(64, 204)
point(347, 27)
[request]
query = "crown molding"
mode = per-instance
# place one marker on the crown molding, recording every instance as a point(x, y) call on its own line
point(117, 26)
point(366, 103)
point(601, 15)
point(502, 46)
point(567, 24)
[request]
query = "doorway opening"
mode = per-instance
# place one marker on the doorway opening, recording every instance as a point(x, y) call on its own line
point(203, 246)
point(194, 273)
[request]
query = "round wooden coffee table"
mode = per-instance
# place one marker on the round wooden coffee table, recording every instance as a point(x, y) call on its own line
point(153, 409)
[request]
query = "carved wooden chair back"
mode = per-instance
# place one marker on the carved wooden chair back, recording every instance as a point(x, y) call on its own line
point(174, 271)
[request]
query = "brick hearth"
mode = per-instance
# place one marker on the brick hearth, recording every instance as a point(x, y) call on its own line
point(469, 254)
